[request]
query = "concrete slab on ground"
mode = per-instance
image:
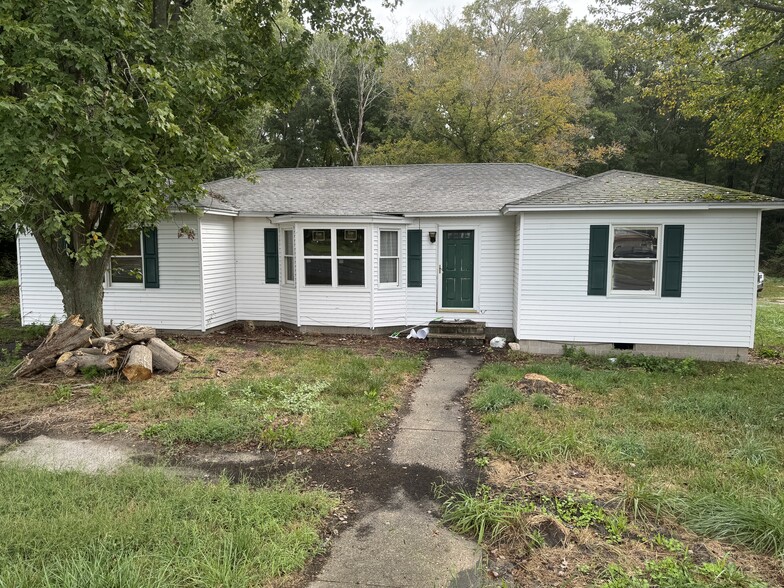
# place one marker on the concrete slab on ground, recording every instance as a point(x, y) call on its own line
point(398, 545)
point(82, 455)
point(431, 434)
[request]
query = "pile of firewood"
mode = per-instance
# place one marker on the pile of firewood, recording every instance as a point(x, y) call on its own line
point(70, 347)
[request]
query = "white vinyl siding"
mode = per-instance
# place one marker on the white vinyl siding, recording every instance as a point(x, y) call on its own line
point(256, 300)
point(175, 305)
point(718, 293)
point(389, 303)
point(217, 253)
point(494, 239)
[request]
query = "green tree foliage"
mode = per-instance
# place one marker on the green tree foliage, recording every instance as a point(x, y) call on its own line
point(112, 112)
point(491, 87)
point(720, 61)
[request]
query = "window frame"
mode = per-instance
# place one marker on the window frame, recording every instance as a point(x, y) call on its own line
point(110, 283)
point(334, 257)
point(657, 261)
point(396, 283)
point(289, 256)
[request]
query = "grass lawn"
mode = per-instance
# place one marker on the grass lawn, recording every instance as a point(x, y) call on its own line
point(697, 444)
point(769, 338)
point(272, 396)
point(140, 529)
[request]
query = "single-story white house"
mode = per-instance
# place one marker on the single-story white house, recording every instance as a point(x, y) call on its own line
point(618, 260)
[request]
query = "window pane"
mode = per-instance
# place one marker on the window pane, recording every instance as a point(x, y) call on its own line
point(387, 270)
point(288, 242)
point(634, 275)
point(289, 269)
point(127, 270)
point(351, 272)
point(129, 243)
point(388, 243)
point(351, 242)
point(318, 272)
point(318, 242)
point(634, 243)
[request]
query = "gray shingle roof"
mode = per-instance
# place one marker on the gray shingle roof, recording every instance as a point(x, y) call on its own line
point(619, 188)
point(396, 189)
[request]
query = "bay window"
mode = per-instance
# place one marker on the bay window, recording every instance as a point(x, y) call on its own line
point(334, 257)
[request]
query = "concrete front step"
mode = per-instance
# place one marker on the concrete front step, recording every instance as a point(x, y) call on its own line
point(457, 329)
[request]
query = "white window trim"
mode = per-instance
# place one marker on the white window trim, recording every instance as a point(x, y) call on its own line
point(108, 283)
point(396, 283)
point(334, 257)
point(292, 256)
point(656, 292)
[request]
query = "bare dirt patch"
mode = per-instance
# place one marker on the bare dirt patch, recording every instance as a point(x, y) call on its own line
point(538, 384)
point(555, 479)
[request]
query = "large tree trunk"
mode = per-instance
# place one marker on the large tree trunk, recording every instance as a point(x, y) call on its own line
point(80, 285)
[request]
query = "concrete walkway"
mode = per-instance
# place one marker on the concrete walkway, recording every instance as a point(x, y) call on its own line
point(400, 543)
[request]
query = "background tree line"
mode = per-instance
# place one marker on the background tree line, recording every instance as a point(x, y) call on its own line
point(686, 90)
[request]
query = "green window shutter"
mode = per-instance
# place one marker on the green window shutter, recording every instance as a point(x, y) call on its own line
point(271, 256)
point(150, 254)
point(597, 260)
point(672, 270)
point(415, 258)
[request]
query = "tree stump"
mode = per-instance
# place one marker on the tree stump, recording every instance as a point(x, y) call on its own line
point(79, 360)
point(164, 358)
point(138, 364)
point(67, 336)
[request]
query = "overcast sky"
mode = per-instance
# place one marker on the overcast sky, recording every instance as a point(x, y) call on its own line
point(395, 23)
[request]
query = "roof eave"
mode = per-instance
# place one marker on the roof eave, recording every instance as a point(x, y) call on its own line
point(513, 209)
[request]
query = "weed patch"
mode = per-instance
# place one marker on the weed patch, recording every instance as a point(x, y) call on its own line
point(316, 398)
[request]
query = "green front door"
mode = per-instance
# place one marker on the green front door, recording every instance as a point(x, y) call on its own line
point(457, 286)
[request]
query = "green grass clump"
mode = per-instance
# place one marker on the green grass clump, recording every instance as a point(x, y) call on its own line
point(482, 515)
point(319, 396)
point(140, 529)
point(495, 397)
point(682, 571)
point(699, 441)
point(769, 336)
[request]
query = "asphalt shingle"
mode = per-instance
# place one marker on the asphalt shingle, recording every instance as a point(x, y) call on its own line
point(629, 188)
point(396, 189)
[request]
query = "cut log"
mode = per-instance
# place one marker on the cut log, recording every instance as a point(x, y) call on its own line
point(89, 351)
point(99, 342)
point(77, 361)
point(115, 343)
point(67, 336)
point(138, 364)
point(164, 358)
point(136, 332)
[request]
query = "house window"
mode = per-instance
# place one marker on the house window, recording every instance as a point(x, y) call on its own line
point(127, 264)
point(388, 262)
point(288, 256)
point(634, 259)
point(351, 257)
point(318, 257)
point(334, 257)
